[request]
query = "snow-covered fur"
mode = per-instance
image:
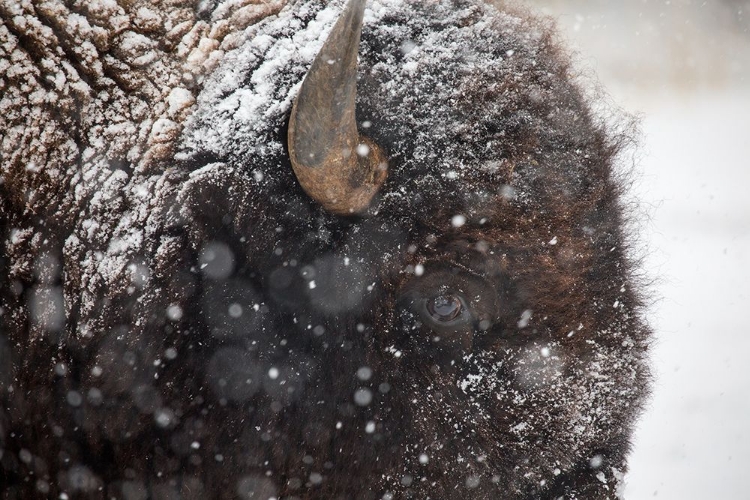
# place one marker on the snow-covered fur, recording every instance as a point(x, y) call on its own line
point(179, 320)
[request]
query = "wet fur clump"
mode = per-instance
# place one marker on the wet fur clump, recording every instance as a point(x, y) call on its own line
point(203, 328)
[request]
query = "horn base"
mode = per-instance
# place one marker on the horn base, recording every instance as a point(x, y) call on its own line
point(347, 182)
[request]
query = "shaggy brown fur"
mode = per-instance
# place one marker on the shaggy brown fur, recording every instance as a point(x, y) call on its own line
point(179, 320)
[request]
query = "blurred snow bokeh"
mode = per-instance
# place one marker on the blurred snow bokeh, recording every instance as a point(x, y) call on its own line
point(685, 67)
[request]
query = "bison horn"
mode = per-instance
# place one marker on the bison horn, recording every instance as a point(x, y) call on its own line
point(334, 164)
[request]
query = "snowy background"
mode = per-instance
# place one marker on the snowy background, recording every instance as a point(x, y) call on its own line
point(684, 67)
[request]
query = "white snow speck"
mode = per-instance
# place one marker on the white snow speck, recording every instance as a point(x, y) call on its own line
point(363, 150)
point(363, 396)
point(235, 310)
point(174, 312)
point(525, 318)
point(364, 373)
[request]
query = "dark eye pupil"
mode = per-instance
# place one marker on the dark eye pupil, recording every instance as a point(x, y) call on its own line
point(444, 307)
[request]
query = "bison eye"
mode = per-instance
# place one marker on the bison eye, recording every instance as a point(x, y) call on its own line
point(444, 308)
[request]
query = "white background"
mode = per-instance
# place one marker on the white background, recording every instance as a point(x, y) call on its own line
point(683, 67)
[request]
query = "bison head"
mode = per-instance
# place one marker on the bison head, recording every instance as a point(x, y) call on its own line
point(399, 277)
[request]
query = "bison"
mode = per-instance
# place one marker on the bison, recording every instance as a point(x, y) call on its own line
point(314, 251)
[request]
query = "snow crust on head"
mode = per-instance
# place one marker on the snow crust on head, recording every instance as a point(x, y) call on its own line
point(244, 104)
point(241, 109)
